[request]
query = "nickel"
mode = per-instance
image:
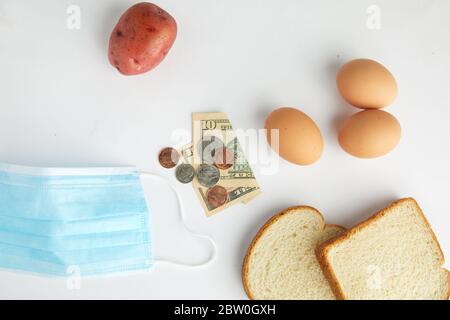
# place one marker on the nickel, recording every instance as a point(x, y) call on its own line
point(185, 173)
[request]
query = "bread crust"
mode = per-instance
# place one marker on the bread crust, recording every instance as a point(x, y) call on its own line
point(323, 249)
point(262, 230)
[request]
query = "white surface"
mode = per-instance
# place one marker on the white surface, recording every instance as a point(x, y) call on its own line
point(62, 104)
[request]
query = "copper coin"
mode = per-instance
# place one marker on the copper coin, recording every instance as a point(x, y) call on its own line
point(216, 196)
point(207, 147)
point(168, 157)
point(223, 158)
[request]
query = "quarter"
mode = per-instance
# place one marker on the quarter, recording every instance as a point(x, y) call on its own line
point(207, 175)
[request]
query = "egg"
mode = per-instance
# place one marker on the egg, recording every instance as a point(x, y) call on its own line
point(366, 84)
point(294, 135)
point(370, 134)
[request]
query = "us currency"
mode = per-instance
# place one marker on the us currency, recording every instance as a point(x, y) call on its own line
point(238, 190)
point(212, 131)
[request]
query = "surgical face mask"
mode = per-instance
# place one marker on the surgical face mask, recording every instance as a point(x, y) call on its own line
point(93, 220)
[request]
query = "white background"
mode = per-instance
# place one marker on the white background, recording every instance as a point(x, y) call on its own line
point(62, 104)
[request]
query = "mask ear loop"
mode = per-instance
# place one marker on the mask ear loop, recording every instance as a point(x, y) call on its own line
point(183, 221)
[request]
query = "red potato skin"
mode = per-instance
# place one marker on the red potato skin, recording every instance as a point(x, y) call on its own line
point(141, 39)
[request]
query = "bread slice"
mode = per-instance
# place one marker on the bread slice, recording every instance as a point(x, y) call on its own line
point(392, 255)
point(281, 263)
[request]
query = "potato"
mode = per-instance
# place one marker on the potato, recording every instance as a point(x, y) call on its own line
point(141, 39)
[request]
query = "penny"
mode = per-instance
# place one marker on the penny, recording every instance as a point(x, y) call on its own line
point(207, 147)
point(217, 196)
point(185, 173)
point(223, 158)
point(168, 157)
point(207, 175)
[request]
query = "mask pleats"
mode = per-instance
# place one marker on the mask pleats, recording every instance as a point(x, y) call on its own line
point(96, 224)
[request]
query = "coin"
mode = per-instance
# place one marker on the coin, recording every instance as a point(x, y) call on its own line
point(185, 173)
point(168, 157)
point(207, 147)
point(223, 158)
point(207, 175)
point(217, 196)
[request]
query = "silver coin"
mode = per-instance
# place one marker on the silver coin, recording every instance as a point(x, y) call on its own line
point(207, 175)
point(185, 173)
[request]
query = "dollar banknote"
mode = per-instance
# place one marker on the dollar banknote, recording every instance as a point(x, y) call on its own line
point(212, 131)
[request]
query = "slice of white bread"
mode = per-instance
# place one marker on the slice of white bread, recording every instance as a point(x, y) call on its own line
point(392, 255)
point(281, 263)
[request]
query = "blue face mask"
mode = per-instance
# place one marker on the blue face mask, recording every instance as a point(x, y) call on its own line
point(54, 220)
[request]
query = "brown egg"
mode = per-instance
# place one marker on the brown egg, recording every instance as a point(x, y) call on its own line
point(366, 84)
point(370, 134)
point(300, 140)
